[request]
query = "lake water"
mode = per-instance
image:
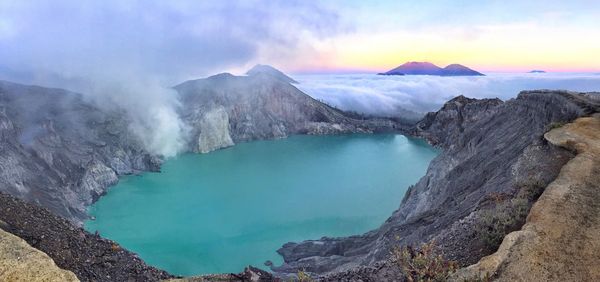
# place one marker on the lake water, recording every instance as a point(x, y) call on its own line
point(221, 211)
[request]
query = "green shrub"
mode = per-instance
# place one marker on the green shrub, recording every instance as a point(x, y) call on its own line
point(495, 223)
point(507, 215)
point(423, 264)
point(531, 190)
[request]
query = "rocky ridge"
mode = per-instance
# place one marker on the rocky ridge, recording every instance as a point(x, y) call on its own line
point(490, 148)
point(559, 241)
point(224, 109)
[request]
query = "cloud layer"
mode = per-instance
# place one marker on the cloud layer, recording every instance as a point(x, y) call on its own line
point(384, 95)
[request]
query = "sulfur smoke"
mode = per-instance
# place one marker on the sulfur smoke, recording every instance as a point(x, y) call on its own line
point(128, 54)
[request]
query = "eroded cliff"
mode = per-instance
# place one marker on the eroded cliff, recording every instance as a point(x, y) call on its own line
point(561, 239)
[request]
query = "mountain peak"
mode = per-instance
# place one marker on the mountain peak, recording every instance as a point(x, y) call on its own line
point(459, 70)
point(271, 71)
point(427, 68)
point(416, 68)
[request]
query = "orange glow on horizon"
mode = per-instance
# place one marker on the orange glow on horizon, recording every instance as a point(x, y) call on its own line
point(492, 49)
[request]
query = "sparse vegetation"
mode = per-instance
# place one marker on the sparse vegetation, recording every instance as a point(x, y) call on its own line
point(508, 215)
point(531, 190)
point(424, 263)
point(304, 277)
point(485, 278)
point(495, 223)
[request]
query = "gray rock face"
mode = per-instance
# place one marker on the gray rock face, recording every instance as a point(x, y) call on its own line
point(214, 131)
point(225, 108)
point(489, 147)
point(61, 152)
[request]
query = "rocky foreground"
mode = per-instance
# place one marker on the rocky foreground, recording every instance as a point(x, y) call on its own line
point(88, 256)
point(21, 262)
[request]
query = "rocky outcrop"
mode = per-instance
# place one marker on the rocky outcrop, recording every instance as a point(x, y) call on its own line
point(490, 148)
point(61, 152)
point(20, 262)
point(561, 239)
point(88, 256)
point(225, 108)
point(445, 128)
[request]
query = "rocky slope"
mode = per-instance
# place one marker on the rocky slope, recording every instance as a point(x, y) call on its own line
point(561, 239)
point(225, 109)
point(61, 152)
point(492, 149)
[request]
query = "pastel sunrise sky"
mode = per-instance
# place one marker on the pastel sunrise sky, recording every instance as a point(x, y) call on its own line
point(487, 35)
point(176, 40)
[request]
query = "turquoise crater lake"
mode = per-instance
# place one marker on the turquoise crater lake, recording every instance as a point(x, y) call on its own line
point(221, 211)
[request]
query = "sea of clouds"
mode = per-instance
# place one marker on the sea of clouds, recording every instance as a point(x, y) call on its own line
point(388, 95)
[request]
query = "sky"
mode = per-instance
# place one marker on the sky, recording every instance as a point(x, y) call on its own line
point(491, 36)
point(65, 40)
